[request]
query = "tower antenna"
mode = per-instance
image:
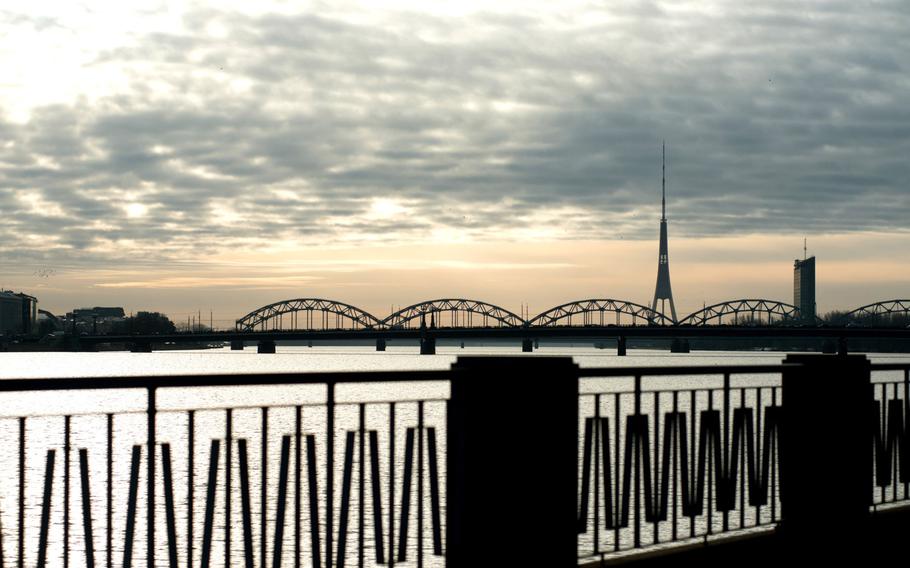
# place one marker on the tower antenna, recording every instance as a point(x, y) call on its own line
point(663, 181)
point(805, 249)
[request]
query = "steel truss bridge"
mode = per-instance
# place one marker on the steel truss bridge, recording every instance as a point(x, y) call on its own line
point(310, 314)
point(595, 320)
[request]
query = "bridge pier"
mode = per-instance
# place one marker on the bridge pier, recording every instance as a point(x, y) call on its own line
point(620, 346)
point(380, 344)
point(842, 346)
point(236, 345)
point(428, 346)
point(265, 346)
point(679, 345)
point(527, 346)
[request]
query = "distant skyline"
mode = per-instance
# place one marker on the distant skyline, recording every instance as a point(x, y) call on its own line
point(184, 156)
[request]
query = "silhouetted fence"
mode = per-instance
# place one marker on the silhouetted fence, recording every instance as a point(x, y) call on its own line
point(431, 468)
point(891, 433)
point(663, 464)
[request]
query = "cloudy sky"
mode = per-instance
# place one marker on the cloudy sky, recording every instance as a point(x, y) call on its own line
point(195, 155)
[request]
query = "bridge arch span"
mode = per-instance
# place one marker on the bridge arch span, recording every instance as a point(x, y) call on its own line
point(593, 311)
point(306, 313)
point(744, 312)
point(879, 312)
point(453, 312)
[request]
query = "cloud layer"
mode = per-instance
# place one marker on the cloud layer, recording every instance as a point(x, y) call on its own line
point(215, 128)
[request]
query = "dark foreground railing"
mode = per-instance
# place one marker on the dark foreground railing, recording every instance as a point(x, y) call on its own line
point(515, 460)
point(256, 470)
point(676, 454)
point(891, 433)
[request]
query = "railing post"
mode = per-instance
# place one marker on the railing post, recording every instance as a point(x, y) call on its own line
point(826, 451)
point(512, 426)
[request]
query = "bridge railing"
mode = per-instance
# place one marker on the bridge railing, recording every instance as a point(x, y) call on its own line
point(527, 459)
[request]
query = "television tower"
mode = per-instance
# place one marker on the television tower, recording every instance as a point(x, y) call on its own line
point(663, 292)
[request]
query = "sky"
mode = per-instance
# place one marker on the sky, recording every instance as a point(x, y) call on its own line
point(214, 157)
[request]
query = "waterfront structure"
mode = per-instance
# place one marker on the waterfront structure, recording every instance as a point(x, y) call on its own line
point(804, 287)
point(18, 313)
point(95, 320)
point(663, 291)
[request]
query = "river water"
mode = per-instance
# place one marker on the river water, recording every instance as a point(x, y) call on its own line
point(45, 427)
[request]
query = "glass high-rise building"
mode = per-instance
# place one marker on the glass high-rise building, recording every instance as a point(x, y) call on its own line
point(804, 287)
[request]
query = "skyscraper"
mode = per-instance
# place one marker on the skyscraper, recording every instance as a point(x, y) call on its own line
point(804, 287)
point(663, 291)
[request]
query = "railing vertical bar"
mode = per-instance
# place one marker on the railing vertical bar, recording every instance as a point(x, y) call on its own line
point(587, 440)
point(245, 505)
point(110, 491)
point(361, 506)
point(190, 489)
point(67, 420)
point(46, 509)
point(86, 509)
point(420, 484)
point(347, 474)
point(896, 478)
point(675, 458)
point(150, 482)
point(21, 538)
point(710, 465)
point(655, 506)
point(281, 507)
point(725, 455)
point(228, 442)
point(375, 484)
point(617, 500)
point(595, 435)
point(775, 463)
point(693, 405)
point(636, 465)
point(330, 473)
point(434, 491)
point(209, 526)
point(742, 461)
point(314, 498)
point(883, 426)
point(759, 436)
point(131, 508)
point(264, 481)
point(406, 495)
point(169, 506)
point(298, 440)
point(391, 485)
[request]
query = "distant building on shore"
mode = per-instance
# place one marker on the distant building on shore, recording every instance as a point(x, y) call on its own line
point(18, 313)
point(94, 320)
point(804, 287)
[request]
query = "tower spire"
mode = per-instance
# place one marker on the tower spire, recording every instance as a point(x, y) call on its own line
point(663, 291)
point(663, 181)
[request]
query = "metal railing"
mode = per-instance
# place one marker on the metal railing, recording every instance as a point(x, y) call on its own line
point(341, 474)
point(891, 437)
point(352, 469)
point(661, 463)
